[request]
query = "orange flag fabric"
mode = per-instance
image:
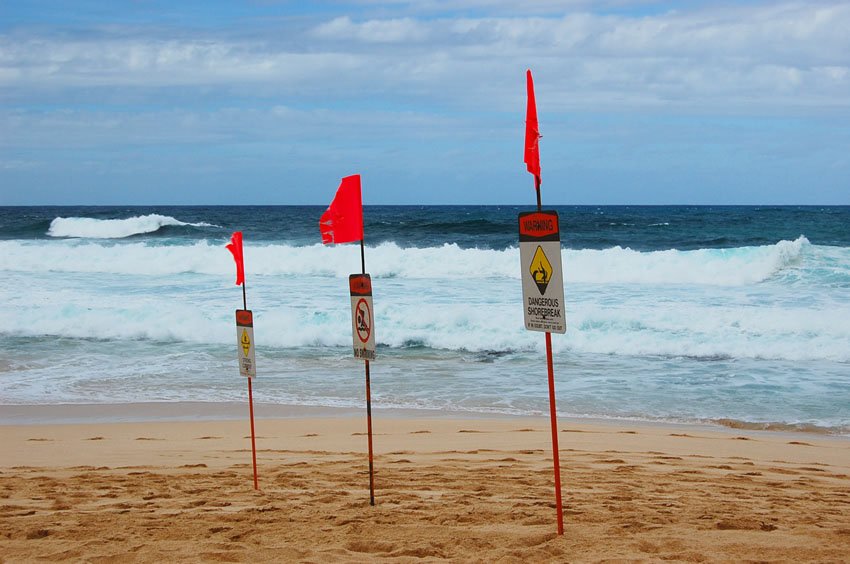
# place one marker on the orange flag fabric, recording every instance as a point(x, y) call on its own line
point(235, 248)
point(342, 222)
point(532, 133)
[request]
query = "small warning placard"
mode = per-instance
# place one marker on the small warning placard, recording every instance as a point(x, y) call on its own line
point(542, 277)
point(362, 316)
point(245, 342)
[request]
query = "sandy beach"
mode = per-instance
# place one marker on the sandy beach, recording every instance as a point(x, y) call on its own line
point(458, 489)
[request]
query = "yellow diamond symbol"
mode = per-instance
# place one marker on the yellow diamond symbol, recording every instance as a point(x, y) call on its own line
point(246, 342)
point(540, 269)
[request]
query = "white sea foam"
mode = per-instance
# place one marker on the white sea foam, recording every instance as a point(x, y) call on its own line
point(721, 267)
point(714, 267)
point(708, 322)
point(90, 228)
point(751, 302)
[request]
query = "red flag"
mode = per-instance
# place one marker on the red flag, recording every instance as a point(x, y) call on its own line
point(342, 222)
point(235, 247)
point(532, 133)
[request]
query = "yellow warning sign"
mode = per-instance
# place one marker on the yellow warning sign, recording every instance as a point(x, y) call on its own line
point(540, 269)
point(246, 342)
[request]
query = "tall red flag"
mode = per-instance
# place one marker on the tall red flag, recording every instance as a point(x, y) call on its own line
point(235, 247)
point(342, 222)
point(532, 133)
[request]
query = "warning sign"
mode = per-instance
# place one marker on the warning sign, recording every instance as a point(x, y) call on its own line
point(542, 277)
point(245, 341)
point(362, 319)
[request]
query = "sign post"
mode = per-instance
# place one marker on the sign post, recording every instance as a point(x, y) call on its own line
point(245, 340)
point(342, 222)
point(543, 305)
point(542, 275)
point(363, 337)
point(248, 368)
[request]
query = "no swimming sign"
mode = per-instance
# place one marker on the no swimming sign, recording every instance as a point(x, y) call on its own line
point(362, 316)
point(542, 276)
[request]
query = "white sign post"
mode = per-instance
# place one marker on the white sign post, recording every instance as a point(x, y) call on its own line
point(245, 342)
point(542, 276)
point(363, 336)
point(362, 316)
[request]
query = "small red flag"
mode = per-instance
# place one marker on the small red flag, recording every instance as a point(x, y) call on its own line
point(532, 133)
point(342, 222)
point(235, 247)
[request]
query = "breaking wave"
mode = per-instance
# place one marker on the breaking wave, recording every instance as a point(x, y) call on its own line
point(715, 267)
point(91, 228)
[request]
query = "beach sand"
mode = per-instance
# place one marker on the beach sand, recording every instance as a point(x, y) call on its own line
point(467, 490)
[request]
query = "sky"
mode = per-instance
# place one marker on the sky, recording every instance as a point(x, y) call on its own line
point(154, 102)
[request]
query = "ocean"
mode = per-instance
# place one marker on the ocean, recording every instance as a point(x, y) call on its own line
point(736, 316)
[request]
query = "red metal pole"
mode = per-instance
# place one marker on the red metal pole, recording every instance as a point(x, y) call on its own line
point(537, 189)
point(368, 400)
point(253, 441)
point(554, 417)
point(369, 428)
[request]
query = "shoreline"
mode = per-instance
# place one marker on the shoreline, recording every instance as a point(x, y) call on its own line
point(140, 412)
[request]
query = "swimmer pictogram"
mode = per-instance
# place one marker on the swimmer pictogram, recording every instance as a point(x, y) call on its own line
point(363, 320)
point(541, 270)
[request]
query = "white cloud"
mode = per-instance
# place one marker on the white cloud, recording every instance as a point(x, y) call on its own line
point(374, 31)
point(774, 55)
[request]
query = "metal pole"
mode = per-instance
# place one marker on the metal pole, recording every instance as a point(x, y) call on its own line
point(537, 187)
point(251, 403)
point(556, 459)
point(369, 429)
point(253, 441)
point(554, 417)
point(368, 399)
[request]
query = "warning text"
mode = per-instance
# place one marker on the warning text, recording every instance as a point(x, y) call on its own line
point(544, 307)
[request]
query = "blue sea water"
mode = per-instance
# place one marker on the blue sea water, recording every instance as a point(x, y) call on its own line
point(730, 315)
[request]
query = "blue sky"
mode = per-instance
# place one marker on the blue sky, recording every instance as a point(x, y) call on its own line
point(272, 101)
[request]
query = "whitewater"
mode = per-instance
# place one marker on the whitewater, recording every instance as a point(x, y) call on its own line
point(666, 319)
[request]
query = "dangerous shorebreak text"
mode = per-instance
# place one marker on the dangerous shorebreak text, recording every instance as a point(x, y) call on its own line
point(544, 307)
